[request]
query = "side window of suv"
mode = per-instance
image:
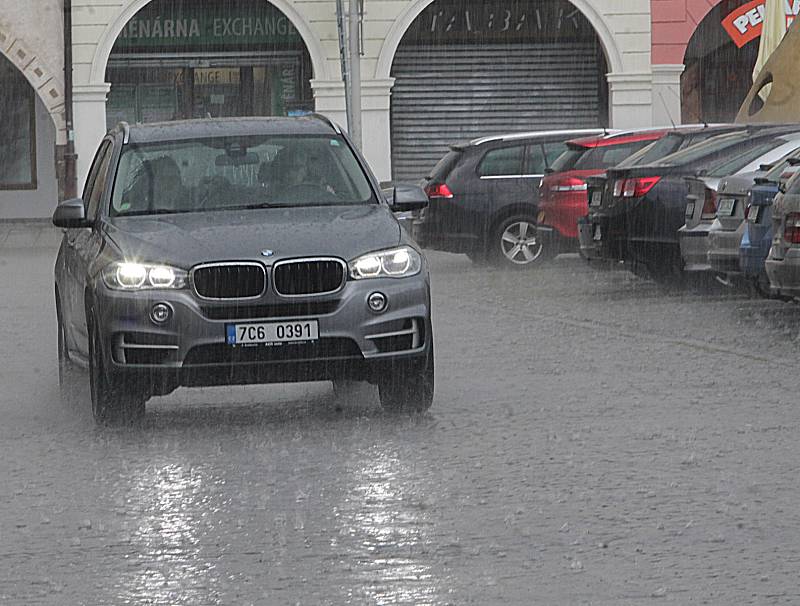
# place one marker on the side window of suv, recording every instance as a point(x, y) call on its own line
point(553, 151)
point(535, 162)
point(503, 162)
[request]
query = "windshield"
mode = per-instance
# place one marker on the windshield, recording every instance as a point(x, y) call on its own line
point(232, 173)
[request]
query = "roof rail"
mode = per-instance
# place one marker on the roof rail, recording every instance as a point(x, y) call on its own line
point(126, 131)
point(327, 121)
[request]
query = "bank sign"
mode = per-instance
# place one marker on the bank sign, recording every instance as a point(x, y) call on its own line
point(746, 22)
point(230, 24)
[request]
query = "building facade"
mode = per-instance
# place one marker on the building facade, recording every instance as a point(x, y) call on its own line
point(433, 71)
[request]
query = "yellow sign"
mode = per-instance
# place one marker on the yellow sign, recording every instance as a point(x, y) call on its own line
point(216, 75)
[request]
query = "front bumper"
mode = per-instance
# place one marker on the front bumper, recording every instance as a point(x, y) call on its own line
point(784, 274)
point(190, 349)
point(694, 247)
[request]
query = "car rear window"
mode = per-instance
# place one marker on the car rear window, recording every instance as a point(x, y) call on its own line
point(446, 165)
point(567, 160)
point(654, 151)
point(705, 148)
point(732, 164)
point(606, 156)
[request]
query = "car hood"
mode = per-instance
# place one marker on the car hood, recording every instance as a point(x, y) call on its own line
point(185, 239)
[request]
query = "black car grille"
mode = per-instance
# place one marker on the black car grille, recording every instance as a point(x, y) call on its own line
point(308, 277)
point(229, 280)
point(285, 310)
point(329, 348)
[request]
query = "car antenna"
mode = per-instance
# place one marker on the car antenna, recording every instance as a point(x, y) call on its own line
point(664, 103)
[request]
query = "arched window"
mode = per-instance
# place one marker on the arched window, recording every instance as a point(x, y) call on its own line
point(17, 129)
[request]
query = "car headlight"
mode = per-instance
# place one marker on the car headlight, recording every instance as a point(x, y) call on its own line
point(124, 275)
point(394, 263)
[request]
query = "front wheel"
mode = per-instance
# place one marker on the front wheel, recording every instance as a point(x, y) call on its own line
point(410, 385)
point(516, 244)
point(113, 402)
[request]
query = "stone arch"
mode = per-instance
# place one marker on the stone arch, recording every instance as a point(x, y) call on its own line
point(42, 79)
point(404, 21)
point(109, 37)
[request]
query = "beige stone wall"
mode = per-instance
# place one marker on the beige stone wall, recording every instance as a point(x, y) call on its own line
point(622, 25)
point(31, 36)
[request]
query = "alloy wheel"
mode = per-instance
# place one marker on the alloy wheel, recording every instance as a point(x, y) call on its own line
point(520, 244)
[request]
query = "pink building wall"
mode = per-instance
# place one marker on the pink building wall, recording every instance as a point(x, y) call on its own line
point(673, 23)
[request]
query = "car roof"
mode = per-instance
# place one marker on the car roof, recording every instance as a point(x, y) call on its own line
point(539, 134)
point(226, 127)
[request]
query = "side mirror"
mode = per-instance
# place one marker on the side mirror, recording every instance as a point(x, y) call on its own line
point(403, 197)
point(70, 213)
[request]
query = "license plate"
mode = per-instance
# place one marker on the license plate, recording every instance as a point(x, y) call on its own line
point(597, 198)
point(272, 333)
point(690, 210)
point(598, 233)
point(752, 214)
point(726, 206)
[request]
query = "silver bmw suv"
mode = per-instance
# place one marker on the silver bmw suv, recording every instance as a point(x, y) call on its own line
point(239, 251)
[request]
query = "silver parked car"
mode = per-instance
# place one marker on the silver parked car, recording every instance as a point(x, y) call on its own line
point(703, 200)
point(234, 251)
point(733, 213)
point(783, 262)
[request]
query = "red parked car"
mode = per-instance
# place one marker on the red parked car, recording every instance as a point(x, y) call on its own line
point(563, 189)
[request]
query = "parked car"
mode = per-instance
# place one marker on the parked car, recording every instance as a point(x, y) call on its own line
point(757, 226)
point(783, 261)
point(597, 242)
point(484, 197)
point(233, 251)
point(644, 206)
point(705, 205)
point(563, 189)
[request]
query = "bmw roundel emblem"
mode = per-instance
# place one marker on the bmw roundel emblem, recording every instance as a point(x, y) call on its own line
point(267, 252)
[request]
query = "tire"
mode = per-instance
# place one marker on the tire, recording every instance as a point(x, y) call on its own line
point(113, 402)
point(410, 386)
point(515, 244)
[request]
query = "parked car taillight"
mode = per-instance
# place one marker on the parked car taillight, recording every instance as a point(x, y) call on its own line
point(438, 190)
point(791, 232)
point(618, 185)
point(636, 188)
point(568, 184)
point(710, 205)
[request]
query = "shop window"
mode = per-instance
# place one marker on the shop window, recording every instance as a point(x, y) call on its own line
point(17, 130)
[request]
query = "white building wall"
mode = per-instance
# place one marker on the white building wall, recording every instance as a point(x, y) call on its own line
point(622, 25)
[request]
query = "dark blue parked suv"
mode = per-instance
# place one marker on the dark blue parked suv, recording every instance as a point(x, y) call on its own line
point(487, 190)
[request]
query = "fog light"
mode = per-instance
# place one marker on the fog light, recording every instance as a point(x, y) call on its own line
point(160, 313)
point(377, 302)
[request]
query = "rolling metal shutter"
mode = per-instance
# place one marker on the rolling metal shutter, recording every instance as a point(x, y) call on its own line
point(447, 94)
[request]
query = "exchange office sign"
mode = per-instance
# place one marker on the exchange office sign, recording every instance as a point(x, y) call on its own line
point(219, 25)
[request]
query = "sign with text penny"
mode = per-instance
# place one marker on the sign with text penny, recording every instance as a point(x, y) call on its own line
point(746, 22)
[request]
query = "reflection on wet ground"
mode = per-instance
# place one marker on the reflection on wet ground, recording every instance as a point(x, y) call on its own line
point(592, 440)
